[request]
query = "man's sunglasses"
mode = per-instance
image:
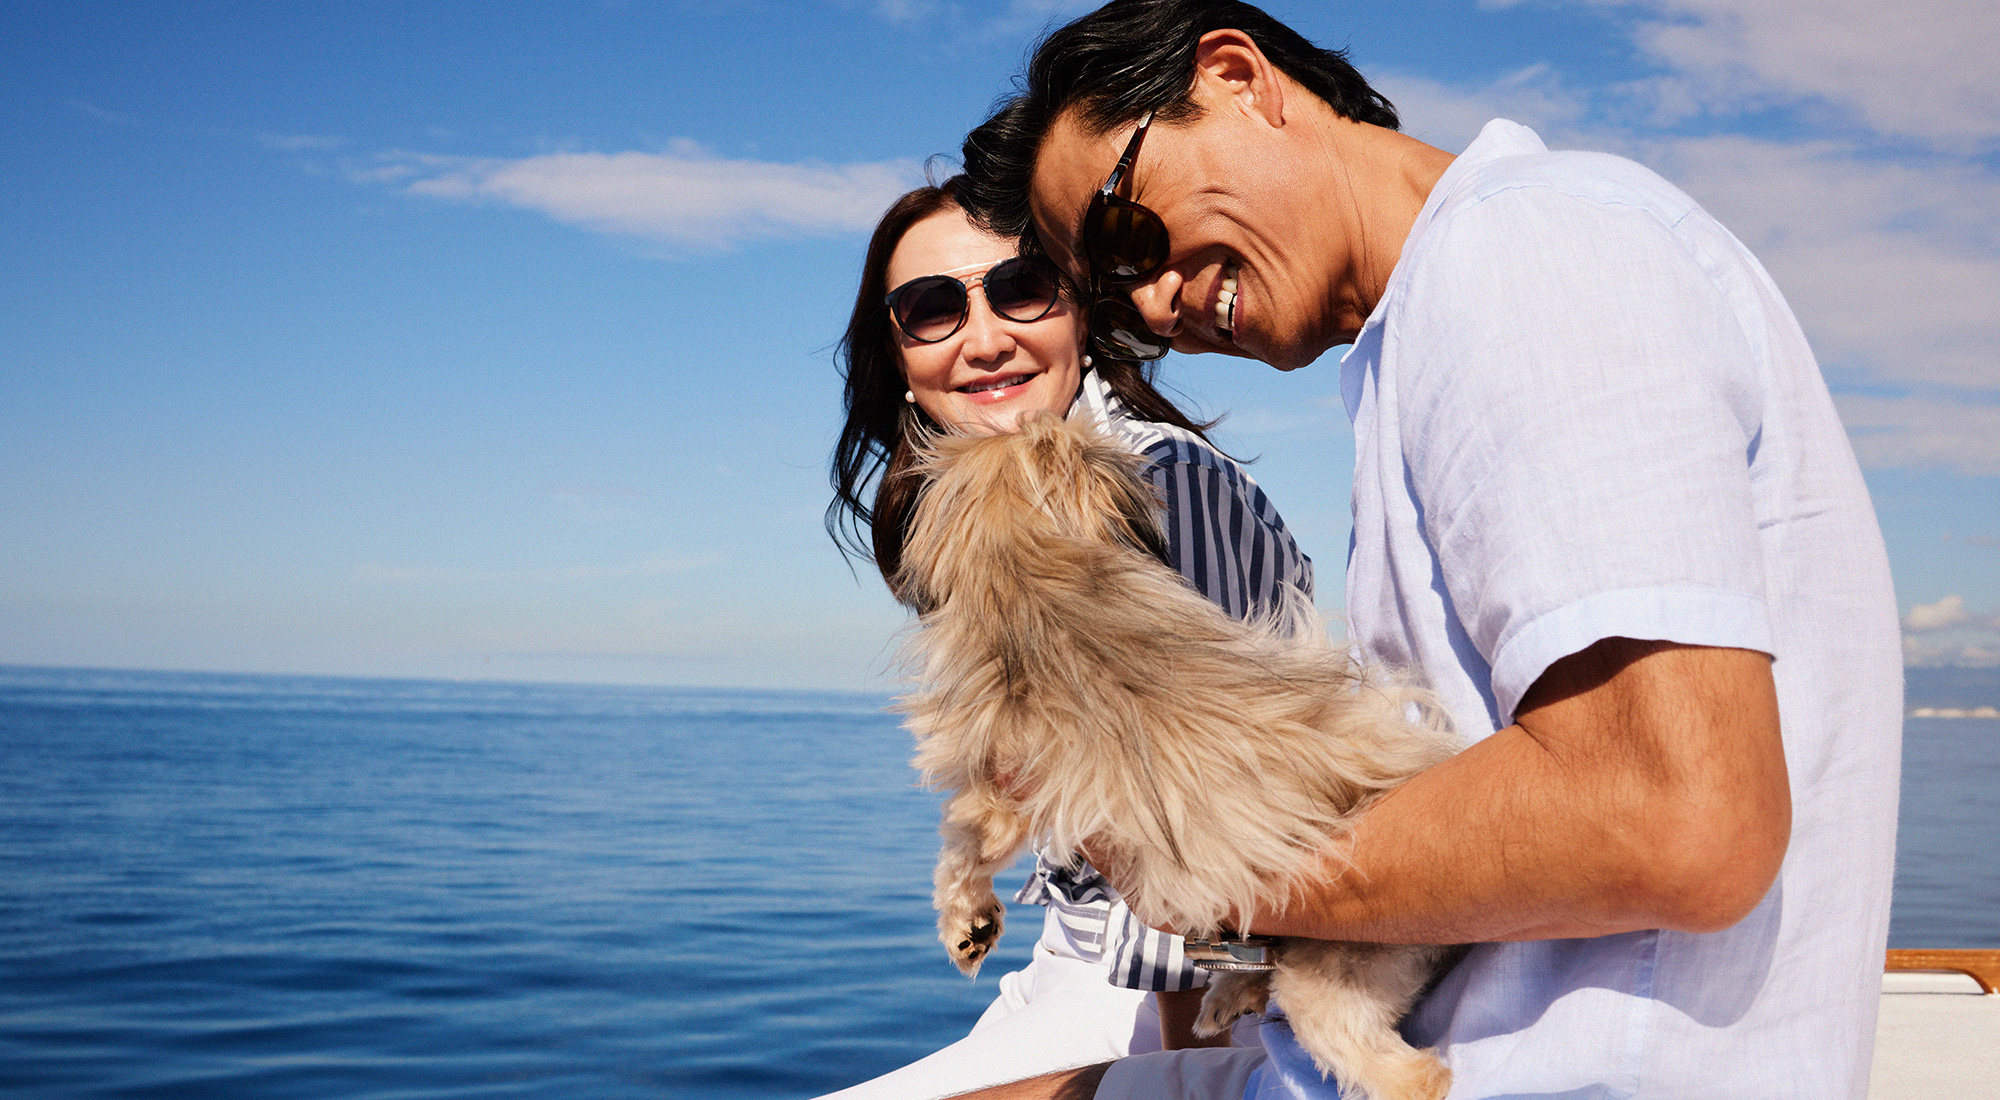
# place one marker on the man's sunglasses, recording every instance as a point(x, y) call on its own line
point(1123, 243)
point(932, 308)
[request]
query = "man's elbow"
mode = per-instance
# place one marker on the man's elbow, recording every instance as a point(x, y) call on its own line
point(1710, 874)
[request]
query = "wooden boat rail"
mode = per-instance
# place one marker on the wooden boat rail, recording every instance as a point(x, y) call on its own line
point(1982, 966)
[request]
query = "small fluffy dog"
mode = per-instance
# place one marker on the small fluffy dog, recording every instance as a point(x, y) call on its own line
point(1075, 689)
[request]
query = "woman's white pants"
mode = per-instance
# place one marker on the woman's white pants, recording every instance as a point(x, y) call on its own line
point(1054, 1013)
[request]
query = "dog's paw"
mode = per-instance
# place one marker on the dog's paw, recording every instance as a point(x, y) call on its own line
point(1229, 998)
point(968, 938)
point(1390, 1075)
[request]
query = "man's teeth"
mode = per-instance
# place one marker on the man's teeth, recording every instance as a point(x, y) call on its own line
point(1225, 303)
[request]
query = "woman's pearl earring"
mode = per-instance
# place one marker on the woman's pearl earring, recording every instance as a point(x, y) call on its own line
point(1086, 360)
point(909, 397)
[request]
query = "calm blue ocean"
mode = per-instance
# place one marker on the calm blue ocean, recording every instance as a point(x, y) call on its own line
point(250, 887)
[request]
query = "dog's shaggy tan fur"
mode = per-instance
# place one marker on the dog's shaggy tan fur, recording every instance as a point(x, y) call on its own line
point(1075, 689)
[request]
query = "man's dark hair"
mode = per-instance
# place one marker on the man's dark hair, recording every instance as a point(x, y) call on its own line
point(1120, 61)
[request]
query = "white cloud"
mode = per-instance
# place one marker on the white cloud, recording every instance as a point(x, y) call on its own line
point(1450, 116)
point(1890, 260)
point(1924, 70)
point(1942, 615)
point(1931, 653)
point(1892, 264)
point(1923, 433)
point(684, 196)
point(1923, 653)
point(1944, 633)
point(960, 22)
point(1921, 70)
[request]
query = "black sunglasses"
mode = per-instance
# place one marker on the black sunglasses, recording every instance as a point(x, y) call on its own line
point(1123, 243)
point(931, 308)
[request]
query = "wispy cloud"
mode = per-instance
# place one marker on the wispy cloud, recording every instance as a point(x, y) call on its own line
point(1924, 70)
point(1893, 263)
point(1942, 615)
point(1946, 632)
point(980, 21)
point(683, 196)
point(113, 118)
point(659, 566)
point(1923, 433)
point(1921, 70)
point(600, 503)
point(1327, 415)
point(301, 143)
point(1923, 652)
point(905, 11)
point(1879, 217)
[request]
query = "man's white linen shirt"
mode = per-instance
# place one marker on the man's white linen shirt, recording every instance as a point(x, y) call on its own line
point(1582, 410)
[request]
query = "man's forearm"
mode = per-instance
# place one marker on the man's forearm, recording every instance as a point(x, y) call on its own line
point(1643, 788)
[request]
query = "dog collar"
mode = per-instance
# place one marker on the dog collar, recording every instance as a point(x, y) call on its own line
point(1245, 953)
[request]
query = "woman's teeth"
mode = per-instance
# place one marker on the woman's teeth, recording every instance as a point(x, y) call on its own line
point(1225, 303)
point(996, 384)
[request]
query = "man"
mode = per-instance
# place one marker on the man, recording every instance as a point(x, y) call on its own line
point(1602, 504)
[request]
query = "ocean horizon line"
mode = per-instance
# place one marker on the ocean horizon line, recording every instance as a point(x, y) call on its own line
point(885, 692)
point(1930, 691)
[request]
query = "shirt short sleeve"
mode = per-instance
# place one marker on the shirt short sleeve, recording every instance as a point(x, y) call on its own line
point(1579, 416)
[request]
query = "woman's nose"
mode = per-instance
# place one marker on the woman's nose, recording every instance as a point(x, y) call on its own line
point(986, 333)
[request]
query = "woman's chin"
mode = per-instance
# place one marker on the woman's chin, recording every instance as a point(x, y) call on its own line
point(994, 412)
point(998, 418)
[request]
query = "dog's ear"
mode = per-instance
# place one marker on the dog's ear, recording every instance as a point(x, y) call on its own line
point(1063, 479)
point(1132, 510)
point(1097, 481)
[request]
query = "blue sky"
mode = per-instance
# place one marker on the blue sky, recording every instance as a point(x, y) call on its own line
point(494, 340)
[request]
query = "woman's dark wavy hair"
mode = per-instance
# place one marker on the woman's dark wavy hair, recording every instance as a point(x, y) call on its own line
point(1120, 61)
point(874, 490)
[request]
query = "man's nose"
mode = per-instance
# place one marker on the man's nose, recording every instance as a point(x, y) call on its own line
point(1158, 299)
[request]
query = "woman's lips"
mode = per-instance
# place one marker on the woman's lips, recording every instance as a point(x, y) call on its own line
point(996, 384)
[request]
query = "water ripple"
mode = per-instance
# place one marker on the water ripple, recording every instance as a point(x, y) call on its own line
point(315, 889)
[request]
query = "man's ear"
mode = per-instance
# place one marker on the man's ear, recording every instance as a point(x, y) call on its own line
point(1233, 70)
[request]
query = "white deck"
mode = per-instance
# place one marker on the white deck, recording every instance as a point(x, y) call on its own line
point(1938, 1039)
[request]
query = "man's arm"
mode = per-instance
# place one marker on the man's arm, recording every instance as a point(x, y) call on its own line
point(1642, 786)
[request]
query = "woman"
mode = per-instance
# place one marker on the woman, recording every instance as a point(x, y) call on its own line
point(954, 330)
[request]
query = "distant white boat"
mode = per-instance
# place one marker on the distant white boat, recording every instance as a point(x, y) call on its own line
point(1939, 1033)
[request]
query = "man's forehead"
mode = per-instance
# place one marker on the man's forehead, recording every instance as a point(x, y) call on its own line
point(1069, 167)
point(1056, 234)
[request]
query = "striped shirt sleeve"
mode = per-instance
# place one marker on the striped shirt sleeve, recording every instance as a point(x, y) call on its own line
point(1227, 539)
point(1222, 533)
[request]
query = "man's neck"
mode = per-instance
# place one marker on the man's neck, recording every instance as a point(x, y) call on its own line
point(1387, 176)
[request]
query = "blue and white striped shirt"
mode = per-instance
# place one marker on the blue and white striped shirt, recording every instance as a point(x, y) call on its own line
point(1225, 537)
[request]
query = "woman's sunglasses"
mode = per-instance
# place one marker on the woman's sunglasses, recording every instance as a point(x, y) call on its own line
point(1123, 243)
point(931, 308)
